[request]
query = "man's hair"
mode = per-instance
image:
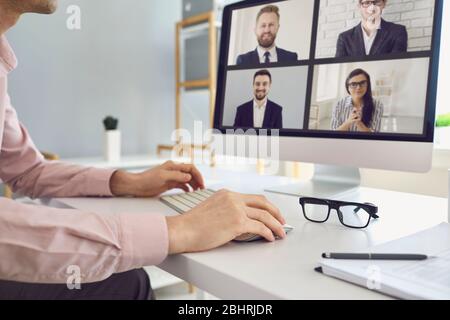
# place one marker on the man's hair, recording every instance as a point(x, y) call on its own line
point(269, 9)
point(262, 73)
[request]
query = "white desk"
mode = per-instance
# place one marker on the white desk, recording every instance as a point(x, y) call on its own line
point(285, 269)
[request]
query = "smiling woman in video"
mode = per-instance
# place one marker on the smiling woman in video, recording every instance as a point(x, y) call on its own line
point(358, 112)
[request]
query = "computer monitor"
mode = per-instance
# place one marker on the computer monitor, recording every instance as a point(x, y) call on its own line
point(350, 84)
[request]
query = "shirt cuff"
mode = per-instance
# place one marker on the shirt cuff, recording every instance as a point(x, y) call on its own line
point(99, 182)
point(145, 240)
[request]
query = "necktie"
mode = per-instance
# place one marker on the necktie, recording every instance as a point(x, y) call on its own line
point(267, 56)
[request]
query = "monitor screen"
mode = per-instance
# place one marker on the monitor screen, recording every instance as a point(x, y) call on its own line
point(354, 69)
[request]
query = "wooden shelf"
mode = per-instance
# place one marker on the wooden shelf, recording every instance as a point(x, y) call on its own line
point(201, 18)
point(195, 84)
point(209, 24)
point(193, 30)
point(210, 82)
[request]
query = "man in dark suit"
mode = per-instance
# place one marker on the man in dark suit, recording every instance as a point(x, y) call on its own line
point(260, 112)
point(266, 30)
point(374, 35)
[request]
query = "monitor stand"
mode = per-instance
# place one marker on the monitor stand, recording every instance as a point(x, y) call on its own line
point(327, 182)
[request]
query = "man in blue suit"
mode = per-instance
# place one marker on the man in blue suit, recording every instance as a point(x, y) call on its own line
point(374, 35)
point(266, 30)
point(260, 113)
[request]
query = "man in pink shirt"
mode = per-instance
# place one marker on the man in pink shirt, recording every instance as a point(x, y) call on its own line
point(39, 245)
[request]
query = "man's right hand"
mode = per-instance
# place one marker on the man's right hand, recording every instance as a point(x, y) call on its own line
point(222, 218)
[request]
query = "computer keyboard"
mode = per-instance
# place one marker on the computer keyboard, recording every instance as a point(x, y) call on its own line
point(185, 202)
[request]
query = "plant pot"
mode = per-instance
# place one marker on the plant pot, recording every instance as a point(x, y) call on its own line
point(112, 145)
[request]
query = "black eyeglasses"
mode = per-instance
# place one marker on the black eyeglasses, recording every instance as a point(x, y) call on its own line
point(366, 4)
point(354, 85)
point(351, 214)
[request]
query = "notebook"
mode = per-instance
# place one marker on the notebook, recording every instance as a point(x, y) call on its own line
point(411, 280)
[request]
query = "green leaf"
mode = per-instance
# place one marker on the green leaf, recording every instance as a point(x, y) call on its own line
point(443, 120)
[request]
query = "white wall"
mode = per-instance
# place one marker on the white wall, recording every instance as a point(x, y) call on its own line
point(121, 63)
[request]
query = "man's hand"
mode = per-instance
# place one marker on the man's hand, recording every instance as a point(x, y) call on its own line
point(155, 181)
point(222, 218)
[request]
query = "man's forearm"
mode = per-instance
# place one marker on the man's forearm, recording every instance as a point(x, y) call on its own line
point(98, 244)
point(59, 180)
point(123, 184)
point(176, 235)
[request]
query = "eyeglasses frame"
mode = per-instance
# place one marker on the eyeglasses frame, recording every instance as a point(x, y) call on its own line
point(370, 208)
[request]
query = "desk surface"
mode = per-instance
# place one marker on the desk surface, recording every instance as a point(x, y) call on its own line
point(285, 269)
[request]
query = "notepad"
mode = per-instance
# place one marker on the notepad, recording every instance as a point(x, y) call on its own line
point(415, 280)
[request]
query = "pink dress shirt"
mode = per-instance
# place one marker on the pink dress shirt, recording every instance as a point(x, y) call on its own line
point(40, 244)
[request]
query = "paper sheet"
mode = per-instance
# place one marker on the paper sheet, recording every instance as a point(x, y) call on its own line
point(429, 279)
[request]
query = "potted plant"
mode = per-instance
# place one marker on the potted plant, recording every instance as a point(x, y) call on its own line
point(112, 141)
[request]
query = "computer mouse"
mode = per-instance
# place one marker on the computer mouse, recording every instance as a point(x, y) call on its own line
point(249, 237)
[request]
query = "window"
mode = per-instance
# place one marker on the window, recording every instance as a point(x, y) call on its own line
point(328, 82)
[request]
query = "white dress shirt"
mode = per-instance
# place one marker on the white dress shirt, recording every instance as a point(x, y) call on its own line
point(273, 54)
point(259, 113)
point(368, 41)
point(343, 109)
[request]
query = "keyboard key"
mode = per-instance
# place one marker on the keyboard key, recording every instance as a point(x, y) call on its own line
point(188, 204)
point(197, 196)
point(204, 193)
point(210, 192)
point(176, 205)
point(193, 202)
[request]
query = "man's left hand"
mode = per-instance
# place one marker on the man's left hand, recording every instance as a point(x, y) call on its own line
point(156, 181)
